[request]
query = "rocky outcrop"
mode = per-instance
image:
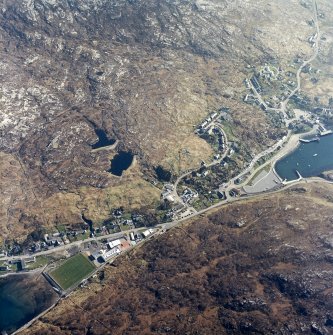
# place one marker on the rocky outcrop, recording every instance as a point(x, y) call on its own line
point(144, 71)
point(327, 175)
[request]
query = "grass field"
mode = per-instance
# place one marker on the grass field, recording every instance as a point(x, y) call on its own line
point(72, 271)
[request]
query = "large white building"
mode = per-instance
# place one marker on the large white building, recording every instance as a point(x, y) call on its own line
point(147, 232)
point(114, 244)
point(113, 252)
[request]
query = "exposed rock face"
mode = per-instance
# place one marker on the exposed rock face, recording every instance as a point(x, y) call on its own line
point(212, 277)
point(328, 175)
point(144, 71)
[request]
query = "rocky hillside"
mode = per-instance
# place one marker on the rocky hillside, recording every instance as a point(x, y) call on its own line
point(145, 72)
point(257, 267)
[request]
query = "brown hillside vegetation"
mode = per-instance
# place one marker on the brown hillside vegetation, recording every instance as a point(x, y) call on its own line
point(146, 72)
point(254, 267)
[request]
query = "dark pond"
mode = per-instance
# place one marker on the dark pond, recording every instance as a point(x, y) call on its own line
point(310, 159)
point(22, 297)
point(120, 162)
point(89, 223)
point(103, 140)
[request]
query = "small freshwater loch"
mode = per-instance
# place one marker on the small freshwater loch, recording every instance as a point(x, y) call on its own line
point(121, 162)
point(309, 159)
point(103, 139)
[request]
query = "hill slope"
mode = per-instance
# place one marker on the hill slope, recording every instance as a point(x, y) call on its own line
point(145, 72)
point(256, 267)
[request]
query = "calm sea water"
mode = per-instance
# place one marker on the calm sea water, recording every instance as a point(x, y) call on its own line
point(310, 159)
point(22, 297)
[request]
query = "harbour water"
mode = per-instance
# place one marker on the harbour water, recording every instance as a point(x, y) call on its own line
point(309, 159)
point(23, 297)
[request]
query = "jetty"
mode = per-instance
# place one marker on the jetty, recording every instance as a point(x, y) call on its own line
point(314, 139)
point(299, 175)
point(325, 132)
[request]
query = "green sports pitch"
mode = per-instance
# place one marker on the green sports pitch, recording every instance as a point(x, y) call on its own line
point(72, 271)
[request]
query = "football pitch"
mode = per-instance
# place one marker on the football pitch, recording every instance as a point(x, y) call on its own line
point(72, 271)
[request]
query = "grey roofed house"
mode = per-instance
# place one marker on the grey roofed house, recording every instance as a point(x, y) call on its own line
point(96, 255)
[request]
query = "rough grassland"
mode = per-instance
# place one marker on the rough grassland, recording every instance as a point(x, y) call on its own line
point(72, 271)
point(272, 274)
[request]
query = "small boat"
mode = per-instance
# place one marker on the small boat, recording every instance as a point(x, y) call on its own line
point(314, 155)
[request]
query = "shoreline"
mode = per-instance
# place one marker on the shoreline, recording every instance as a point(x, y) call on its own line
point(290, 146)
point(28, 324)
point(23, 273)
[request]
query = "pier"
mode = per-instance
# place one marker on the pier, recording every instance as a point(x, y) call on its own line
point(314, 139)
point(326, 132)
point(299, 175)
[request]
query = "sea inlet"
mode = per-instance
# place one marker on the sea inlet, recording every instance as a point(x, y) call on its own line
point(309, 159)
point(23, 297)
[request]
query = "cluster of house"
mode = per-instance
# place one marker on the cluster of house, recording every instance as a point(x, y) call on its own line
point(136, 218)
point(206, 123)
point(55, 239)
point(113, 248)
point(175, 211)
point(188, 195)
point(275, 100)
point(251, 98)
point(269, 72)
point(327, 111)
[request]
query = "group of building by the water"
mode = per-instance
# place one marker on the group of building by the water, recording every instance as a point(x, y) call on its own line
point(64, 271)
point(120, 223)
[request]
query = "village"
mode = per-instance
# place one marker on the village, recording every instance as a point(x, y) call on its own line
point(99, 244)
point(193, 191)
point(232, 173)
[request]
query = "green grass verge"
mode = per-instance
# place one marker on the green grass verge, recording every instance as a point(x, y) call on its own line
point(72, 271)
point(40, 261)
